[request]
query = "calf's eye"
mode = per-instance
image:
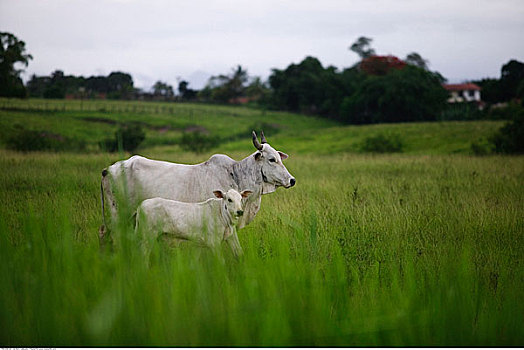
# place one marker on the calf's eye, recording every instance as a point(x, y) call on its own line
point(272, 160)
point(229, 200)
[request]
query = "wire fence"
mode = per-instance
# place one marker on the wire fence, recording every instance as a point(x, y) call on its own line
point(93, 106)
point(123, 107)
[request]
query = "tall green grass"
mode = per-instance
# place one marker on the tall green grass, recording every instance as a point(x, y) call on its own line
point(363, 251)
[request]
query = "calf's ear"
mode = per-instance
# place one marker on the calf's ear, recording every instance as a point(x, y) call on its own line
point(218, 194)
point(258, 155)
point(283, 155)
point(246, 193)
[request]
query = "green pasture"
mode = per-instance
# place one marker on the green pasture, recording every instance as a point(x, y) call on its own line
point(417, 249)
point(164, 124)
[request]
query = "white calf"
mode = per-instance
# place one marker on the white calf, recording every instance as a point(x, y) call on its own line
point(207, 223)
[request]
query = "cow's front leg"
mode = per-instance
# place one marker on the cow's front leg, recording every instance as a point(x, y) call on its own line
point(234, 244)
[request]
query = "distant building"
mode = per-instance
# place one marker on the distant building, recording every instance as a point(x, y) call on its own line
point(468, 92)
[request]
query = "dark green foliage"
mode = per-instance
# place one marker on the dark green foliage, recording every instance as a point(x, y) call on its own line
point(116, 85)
point(481, 147)
point(198, 142)
point(308, 87)
point(351, 96)
point(226, 88)
point(490, 90)
point(186, 94)
point(128, 137)
point(163, 91)
point(510, 86)
point(22, 139)
point(416, 60)
point(511, 76)
point(12, 51)
point(362, 47)
point(382, 143)
point(461, 111)
point(402, 95)
point(507, 112)
point(510, 138)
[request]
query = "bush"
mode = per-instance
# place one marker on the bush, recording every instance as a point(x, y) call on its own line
point(481, 147)
point(382, 143)
point(461, 111)
point(510, 138)
point(25, 140)
point(128, 137)
point(507, 112)
point(198, 142)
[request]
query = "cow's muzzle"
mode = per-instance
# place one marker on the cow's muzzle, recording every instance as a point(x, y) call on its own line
point(292, 183)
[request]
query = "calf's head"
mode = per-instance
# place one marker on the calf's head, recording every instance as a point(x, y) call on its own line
point(232, 201)
point(274, 173)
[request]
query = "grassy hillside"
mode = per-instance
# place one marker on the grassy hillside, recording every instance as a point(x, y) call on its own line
point(164, 124)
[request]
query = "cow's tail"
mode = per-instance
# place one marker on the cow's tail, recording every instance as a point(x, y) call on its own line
point(103, 229)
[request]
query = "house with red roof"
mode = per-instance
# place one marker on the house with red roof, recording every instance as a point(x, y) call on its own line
point(467, 92)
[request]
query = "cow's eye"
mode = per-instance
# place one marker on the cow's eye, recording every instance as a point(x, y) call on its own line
point(272, 160)
point(229, 200)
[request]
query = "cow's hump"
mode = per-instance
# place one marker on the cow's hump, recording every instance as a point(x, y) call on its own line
point(219, 160)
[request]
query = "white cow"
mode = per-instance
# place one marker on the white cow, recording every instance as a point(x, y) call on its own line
point(207, 223)
point(138, 178)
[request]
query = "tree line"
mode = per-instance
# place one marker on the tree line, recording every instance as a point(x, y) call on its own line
point(376, 89)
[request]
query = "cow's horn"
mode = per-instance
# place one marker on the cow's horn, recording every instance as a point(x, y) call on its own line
point(255, 142)
point(262, 137)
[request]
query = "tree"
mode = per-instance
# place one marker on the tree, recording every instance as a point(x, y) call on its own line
point(510, 137)
point(408, 94)
point(120, 85)
point(380, 65)
point(416, 60)
point(362, 47)
point(36, 86)
point(491, 92)
point(225, 88)
point(186, 94)
point(163, 90)
point(237, 80)
point(511, 75)
point(257, 89)
point(12, 52)
point(307, 87)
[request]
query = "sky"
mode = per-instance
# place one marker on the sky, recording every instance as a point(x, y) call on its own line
point(170, 40)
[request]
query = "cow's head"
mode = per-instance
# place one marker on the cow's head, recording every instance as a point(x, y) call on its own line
point(232, 201)
point(274, 173)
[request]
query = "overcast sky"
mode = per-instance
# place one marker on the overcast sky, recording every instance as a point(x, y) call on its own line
point(193, 39)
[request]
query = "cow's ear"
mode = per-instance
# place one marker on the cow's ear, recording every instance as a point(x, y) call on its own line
point(246, 193)
point(283, 155)
point(218, 194)
point(258, 155)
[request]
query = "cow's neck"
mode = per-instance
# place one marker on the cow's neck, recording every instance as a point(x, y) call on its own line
point(225, 217)
point(247, 174)
point(219, 210)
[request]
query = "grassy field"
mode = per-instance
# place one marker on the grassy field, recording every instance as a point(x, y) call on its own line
point(417, 249)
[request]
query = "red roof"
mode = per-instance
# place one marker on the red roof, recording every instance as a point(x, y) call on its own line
point(461, 87)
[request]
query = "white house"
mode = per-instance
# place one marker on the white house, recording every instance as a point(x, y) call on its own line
point(468, 92)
